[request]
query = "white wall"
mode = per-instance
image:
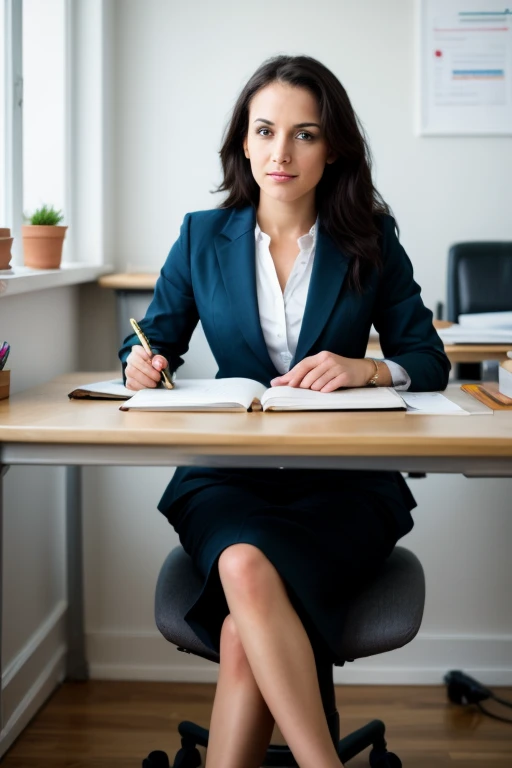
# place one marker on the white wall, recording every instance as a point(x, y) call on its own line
point(178, 69)
point(42, 328)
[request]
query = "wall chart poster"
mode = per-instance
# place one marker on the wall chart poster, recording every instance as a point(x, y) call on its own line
point(465, 68)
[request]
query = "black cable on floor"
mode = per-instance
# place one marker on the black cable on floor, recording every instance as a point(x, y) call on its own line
point(495, 717)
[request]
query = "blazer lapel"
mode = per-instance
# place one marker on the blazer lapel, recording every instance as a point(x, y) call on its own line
point(329, 271)
point(235, 247)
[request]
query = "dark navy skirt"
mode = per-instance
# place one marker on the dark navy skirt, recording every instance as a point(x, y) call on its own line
point(325, 531)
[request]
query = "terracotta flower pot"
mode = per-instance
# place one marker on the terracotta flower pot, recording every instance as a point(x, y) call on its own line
point(5, 232)
point(5, 251)
point(42, 245)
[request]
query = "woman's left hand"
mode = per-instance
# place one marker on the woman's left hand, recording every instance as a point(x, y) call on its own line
point(326, 372)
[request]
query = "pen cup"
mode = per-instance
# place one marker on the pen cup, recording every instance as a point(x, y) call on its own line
point(5, 383)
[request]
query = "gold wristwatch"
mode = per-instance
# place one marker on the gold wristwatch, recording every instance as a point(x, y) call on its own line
point(373, 382)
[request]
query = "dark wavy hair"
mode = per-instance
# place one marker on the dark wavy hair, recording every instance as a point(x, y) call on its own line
point(347, 202)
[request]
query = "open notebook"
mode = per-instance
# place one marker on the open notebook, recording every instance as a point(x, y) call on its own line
point(237, 394)
point(112, 389)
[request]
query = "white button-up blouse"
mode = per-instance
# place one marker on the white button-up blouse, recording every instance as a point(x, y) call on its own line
point(281, 312)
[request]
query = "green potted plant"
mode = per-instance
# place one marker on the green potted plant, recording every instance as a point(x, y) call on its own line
point(5, 247)
point(43, 239)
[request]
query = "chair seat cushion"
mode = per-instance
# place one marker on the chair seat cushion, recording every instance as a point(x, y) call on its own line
point(386, 613)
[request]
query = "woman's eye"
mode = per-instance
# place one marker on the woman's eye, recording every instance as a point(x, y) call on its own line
point(302, 135)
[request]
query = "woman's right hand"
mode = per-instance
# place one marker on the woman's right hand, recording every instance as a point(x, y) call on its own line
point(142, 370)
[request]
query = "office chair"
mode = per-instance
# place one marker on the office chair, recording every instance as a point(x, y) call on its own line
point(479, 280)
point(386, 614)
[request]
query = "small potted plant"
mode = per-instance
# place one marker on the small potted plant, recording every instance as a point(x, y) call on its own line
point(43, 239)
point(5, 247)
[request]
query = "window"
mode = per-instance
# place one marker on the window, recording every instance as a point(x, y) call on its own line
point(32, 110)
point(3, 207)
point(54, 118)
point(44, 146)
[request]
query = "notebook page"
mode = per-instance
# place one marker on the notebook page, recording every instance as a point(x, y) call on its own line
point(200, 394)
point(360, 398)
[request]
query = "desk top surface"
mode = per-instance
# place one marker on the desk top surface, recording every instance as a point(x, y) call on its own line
point(129, 281)
point(45, 415)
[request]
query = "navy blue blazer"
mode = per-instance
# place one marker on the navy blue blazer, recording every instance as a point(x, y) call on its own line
point(210, 275)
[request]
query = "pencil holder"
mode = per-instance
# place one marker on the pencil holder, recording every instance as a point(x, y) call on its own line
point(5, 383)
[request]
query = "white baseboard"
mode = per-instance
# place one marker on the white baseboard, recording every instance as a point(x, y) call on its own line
point(31, 677)
point(144, 656)
point(424, 661)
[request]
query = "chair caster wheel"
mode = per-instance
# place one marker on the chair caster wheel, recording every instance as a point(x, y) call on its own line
point(156, 759)
point(187, 757)
point(384, 760)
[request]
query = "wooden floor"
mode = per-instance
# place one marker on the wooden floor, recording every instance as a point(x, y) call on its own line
point(113, 724)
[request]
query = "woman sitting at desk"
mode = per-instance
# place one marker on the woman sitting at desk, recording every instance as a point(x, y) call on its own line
point(287, 277)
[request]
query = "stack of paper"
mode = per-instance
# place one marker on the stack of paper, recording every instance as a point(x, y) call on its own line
point(480, 328)
point(486, 320)
point(505, 377)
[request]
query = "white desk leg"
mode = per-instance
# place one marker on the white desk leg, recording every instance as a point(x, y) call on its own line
point(76, 664)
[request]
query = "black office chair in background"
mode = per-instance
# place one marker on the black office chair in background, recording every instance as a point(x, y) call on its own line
point(479, 280)
point(386, 614)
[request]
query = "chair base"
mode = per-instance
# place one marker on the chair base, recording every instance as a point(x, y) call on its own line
point(279, 756)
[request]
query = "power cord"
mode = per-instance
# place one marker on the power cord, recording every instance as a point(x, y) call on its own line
point(465, 690)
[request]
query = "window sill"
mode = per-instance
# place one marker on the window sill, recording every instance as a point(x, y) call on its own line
point(20, 279)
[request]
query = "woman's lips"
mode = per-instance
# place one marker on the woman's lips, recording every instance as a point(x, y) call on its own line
point(281, 177)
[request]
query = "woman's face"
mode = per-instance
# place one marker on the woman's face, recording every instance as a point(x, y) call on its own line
point(284, 142)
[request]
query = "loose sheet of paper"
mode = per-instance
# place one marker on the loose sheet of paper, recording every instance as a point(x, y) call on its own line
point(430, 403)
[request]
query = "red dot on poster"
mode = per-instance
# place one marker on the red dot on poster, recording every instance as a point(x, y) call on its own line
point(438, 53)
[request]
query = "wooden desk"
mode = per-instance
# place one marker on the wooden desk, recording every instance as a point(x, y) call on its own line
point(128, 281)
point(458, 353)
point(41, 426)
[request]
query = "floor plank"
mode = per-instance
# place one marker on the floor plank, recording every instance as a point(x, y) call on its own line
point(111, 724)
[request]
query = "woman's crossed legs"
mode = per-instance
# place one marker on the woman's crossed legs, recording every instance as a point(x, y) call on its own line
point(267, 671)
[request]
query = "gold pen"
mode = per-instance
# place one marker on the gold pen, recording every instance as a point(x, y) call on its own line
point(166, 379)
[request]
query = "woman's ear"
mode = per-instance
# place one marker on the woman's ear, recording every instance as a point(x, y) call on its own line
point(331, 157)
point(246, 149)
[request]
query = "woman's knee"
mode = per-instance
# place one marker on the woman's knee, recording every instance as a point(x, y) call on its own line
point(244, 567)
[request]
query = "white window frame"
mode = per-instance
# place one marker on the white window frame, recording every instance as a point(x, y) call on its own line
point(13, 147)
point(14, 122)
point(88, 181)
